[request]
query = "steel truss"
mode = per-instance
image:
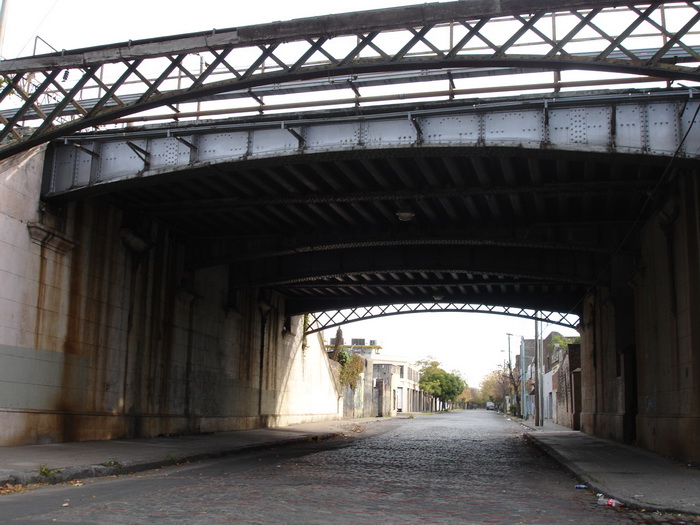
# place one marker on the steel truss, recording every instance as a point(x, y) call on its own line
point(320, 321)
point(61, 93)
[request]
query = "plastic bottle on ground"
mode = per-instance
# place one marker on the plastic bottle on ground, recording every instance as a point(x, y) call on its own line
point(609, 502)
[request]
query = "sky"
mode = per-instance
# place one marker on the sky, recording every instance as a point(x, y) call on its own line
point(471, 344)
point(70, 24)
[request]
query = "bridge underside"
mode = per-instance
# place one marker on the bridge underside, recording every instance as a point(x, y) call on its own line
point(164, 264)
point(483, 224)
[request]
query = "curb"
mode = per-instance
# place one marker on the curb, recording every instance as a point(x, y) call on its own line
point(19, 477)
point(594, 486)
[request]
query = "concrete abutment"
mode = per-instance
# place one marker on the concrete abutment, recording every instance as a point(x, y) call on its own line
point(106, 334)
point(640, 352)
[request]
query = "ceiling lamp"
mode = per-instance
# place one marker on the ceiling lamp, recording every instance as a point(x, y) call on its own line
point(405, 215)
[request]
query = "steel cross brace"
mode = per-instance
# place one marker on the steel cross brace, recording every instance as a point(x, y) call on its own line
point(534, 35)
point(320, 321)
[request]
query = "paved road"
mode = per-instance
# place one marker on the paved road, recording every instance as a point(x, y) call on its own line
point(462, 467)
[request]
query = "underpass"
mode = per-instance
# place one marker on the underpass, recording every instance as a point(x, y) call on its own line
point(165, 270)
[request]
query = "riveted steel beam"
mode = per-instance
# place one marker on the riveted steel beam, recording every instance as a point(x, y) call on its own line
point(595, 124)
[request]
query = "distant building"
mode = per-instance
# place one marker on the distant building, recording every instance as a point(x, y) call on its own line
point(405, 378)
point(569, 388)
point(359, 346)
point(560, 376)
point(395, 383)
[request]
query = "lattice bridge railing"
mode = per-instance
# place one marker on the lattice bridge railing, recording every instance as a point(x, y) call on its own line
point(320, 321)
point(456, 49)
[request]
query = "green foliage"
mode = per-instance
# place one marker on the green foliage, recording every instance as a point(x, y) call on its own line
point(47, 472)
point(111, 463)
point(343, 356)
point(561, 341)
point(352, 365)
point(352, 370)
point(429, 363)
point(437, 382)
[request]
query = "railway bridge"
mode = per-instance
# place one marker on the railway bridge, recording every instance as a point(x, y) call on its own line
point(182, 214)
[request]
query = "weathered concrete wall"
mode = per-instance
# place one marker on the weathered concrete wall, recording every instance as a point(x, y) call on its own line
point(105, 334)
point(641, 355)
point(357, 402)
point(603, 410)
point(386, 381)
point(667, 287)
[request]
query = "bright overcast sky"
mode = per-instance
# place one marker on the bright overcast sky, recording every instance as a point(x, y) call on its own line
point(70, 24)
point(473, 344)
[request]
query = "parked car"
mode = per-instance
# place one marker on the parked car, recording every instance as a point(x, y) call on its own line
point(490, 405)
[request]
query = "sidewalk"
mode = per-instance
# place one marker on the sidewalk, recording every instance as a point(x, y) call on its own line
point(638, 478)
point(20, 465)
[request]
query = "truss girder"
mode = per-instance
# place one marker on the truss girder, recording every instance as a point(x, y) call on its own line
point(57, 94)
point(325, 320)
point(486, 262)
point(631, 124)
point(239, 250)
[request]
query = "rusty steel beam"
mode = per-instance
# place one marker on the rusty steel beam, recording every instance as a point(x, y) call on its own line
point(46, 102)
point(298, 29)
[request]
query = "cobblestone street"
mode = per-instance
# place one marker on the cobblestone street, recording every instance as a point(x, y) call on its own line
point(460, 467)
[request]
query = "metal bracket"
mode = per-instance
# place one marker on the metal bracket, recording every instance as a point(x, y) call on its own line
point(419, 131)
point(451, 80)
point(257, 99)
point(144, 155)
point(85, 150)
point(356, 91)
point(297, 135)
point(613, 128)
point(187, 143)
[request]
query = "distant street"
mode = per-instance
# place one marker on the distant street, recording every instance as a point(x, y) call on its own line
point(461, 467)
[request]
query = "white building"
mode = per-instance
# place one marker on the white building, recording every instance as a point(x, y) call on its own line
point(407, 393)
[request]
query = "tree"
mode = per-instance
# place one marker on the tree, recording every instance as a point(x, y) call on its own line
point(469, 396)
point(562, 342)
point(351, 370)
point(495, 387)
point(514, 382)
point(351, 365)
point(438, 383)
point(338, 344)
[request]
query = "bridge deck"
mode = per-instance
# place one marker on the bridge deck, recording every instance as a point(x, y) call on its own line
point(519, 203)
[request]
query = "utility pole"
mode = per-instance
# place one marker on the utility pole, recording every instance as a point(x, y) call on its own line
point(511, 380)
point(538, 411)
point(523, 386)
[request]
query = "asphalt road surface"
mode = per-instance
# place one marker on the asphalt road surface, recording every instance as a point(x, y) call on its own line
point(464, 467)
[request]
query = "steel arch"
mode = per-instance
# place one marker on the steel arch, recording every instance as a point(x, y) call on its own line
point(65, 92)
point(320, 321)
